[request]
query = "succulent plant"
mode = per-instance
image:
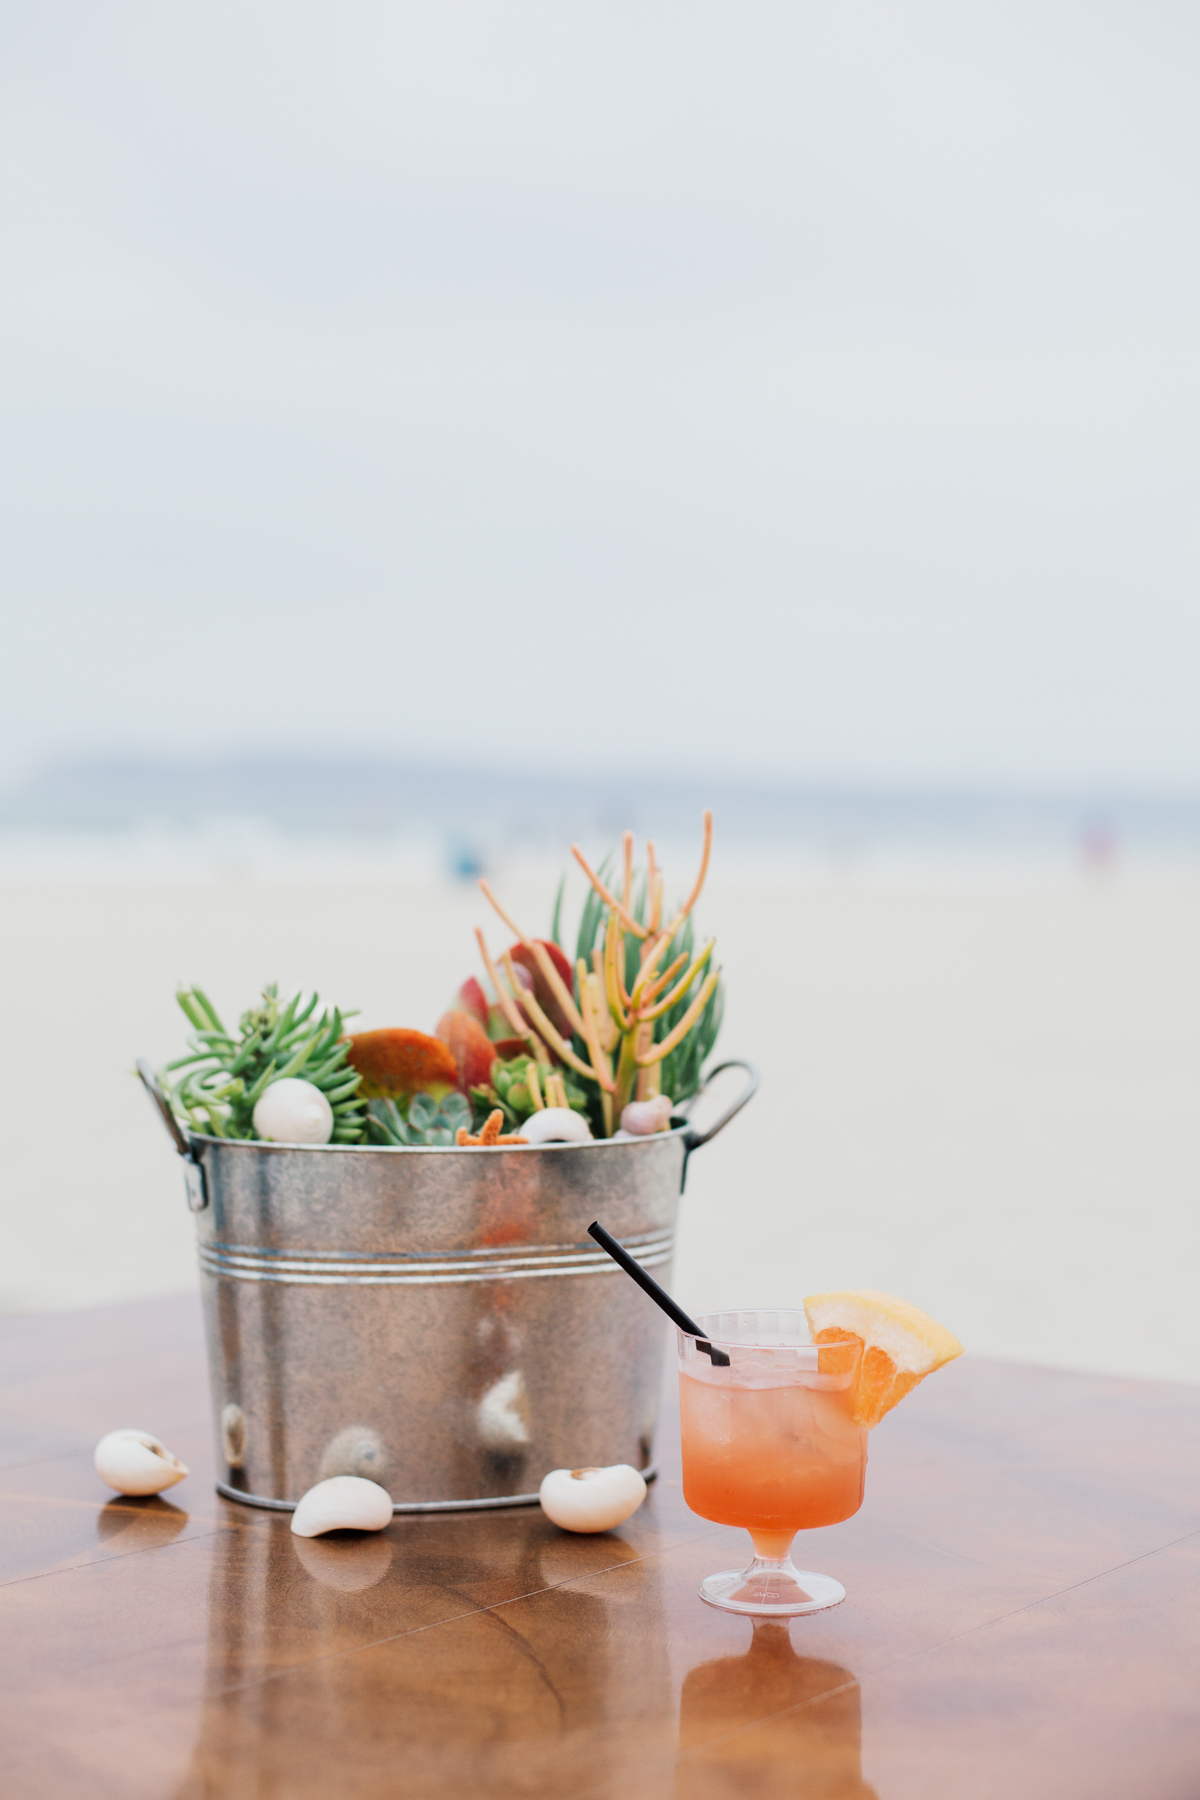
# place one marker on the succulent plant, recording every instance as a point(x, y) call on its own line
point(628, 1026)
point(680, 1070)
point(511, 1088)
point(397, 1062)
point(420, 1120)
point(226, 1075)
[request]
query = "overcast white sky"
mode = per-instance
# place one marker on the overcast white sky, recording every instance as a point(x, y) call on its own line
point(806, 389)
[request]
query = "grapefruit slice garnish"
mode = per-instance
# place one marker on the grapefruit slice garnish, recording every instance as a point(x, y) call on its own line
point(901, 1345)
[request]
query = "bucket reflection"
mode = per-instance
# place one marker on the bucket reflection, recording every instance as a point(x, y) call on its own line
point(438, 1657)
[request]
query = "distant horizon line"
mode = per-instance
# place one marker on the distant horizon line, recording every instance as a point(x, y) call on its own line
point(106, 767)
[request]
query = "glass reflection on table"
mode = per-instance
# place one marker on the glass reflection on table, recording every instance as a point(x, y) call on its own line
point(812, 1752)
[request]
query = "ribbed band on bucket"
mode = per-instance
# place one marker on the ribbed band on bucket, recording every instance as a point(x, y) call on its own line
point(243, 1262)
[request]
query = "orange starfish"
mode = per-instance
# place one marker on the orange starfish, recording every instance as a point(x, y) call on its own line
point(490, 1135)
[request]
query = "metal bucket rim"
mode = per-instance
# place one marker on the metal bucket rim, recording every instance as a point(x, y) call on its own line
point(630, 1143)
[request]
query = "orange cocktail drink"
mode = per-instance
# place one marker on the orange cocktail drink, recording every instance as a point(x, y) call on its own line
point(769, 1444)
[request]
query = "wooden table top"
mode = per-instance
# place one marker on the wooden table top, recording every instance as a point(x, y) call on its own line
point(1022, 1615)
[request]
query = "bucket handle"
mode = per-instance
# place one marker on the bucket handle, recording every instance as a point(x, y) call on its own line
point(695, 1140)
point(197, 1193)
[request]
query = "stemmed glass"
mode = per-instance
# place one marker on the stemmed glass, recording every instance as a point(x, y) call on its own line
point(769, 1443)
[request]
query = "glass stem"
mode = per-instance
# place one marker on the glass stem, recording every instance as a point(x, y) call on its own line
point(772, 1549)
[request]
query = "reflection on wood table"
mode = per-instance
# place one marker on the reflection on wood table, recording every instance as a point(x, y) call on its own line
point(1023, 1613)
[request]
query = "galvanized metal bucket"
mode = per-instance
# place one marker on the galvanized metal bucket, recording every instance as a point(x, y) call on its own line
point(437, 1320)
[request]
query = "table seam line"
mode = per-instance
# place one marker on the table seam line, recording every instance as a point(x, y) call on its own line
point(396, 1637)
point(724, 1737)
point(372, 1643)
point(884, 1668)
point(1029, 1605)
point(94, 1562)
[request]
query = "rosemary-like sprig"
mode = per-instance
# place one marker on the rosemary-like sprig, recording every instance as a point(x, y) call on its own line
point(220, 1081)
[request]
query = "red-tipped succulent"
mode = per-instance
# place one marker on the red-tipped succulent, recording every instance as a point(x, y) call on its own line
point(472, 1000)
point(471, 1047)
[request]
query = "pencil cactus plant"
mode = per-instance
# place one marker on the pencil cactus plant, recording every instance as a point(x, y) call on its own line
point(641, 1008)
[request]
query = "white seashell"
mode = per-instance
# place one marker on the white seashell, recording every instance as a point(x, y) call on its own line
point(641, 1117)
point(343, 1503)
point(502, 1416)
point(135, 1462)
point(556, 1125)
point(293, 1112)
point(592, 1499)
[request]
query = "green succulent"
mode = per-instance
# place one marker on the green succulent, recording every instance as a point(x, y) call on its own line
point(509, 1090)
point(226, 1076)
point(418, 1120)
point(484, 1101)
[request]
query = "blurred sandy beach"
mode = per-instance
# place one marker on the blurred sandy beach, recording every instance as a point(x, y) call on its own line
point(434, 434)
point(979, 1087)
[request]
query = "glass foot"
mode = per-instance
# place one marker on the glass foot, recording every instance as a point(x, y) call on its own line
point(777, 1590)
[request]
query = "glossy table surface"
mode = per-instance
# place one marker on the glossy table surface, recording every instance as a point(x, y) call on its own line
point(1022, 1619)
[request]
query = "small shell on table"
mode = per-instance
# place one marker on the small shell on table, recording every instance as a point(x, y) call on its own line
point(343, 1503)
point(556, 1125)
point(592, 1499)
point(135, 1462)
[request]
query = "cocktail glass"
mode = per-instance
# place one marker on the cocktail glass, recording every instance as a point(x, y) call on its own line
point(769, 1443)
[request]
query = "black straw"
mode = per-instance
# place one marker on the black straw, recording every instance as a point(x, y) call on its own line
point(659, 1295)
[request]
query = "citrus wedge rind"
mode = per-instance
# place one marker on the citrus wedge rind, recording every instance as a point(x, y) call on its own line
point(901, 1344)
